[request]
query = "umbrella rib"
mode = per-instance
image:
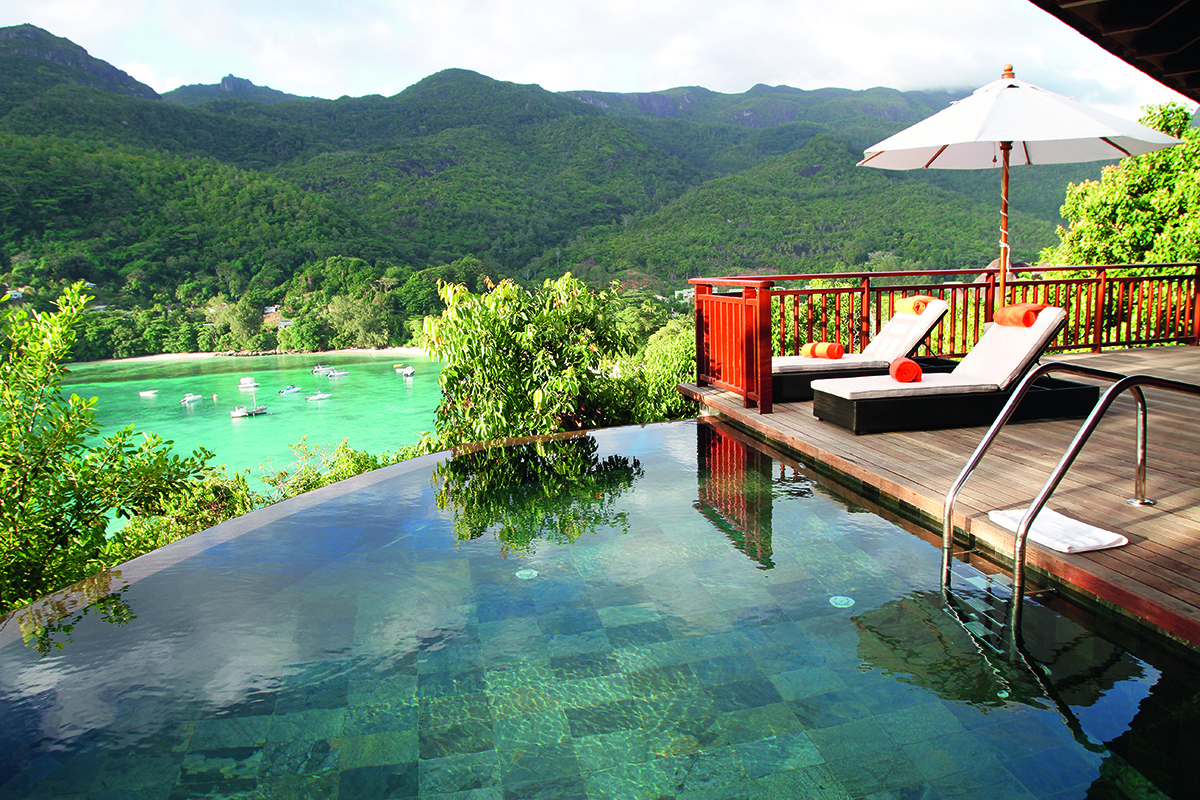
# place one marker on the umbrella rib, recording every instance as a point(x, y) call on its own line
point(1107, 140)
point(1025, 150)
point(935, 156)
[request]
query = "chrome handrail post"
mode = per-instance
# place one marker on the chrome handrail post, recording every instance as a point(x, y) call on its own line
point(948, 506)
point(1139, 478)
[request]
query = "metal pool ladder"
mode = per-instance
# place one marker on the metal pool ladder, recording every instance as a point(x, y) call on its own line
point(1120, 384)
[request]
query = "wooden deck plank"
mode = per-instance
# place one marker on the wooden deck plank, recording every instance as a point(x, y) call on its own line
point(1156, 578)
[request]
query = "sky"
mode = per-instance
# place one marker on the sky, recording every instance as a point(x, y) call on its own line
point(360, 47)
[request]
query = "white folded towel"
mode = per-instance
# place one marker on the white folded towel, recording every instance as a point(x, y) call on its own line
point(1055, 531)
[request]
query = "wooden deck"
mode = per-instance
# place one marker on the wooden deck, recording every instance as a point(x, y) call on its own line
point(1154, 579)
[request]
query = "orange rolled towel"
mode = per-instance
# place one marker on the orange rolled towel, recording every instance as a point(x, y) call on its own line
point(905, 370)
point(822, 350)
point(913, 305)
point(1018, 315)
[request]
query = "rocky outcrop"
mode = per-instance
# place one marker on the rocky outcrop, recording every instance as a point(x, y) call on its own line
point(78, 67)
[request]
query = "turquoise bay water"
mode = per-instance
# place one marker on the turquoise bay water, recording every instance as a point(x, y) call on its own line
point(372, 407)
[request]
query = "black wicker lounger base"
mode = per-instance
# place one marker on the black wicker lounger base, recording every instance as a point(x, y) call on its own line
point(1048, 398)
point(795, 387)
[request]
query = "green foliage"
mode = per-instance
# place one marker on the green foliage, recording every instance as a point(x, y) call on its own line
point(209, 500)
point(315, 467)
point(1143, 210)
point(668, 360)
point(521, 363)
point(57, 489)
point(556, 490)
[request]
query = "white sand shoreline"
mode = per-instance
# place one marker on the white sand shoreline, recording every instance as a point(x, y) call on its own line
point(406, 352)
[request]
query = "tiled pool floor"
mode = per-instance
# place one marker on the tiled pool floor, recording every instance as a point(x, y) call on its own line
point(355, 649)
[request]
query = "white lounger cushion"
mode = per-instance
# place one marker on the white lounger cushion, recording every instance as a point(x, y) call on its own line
point(998, 358)
point(899, 337)
point(805, 364)
point(871, 386)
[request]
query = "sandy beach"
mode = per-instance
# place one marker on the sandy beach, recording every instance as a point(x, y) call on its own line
point(401, 352)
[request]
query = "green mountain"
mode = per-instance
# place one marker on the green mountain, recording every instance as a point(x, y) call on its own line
point(33, 61)
point(230, 88)
point(245, 188)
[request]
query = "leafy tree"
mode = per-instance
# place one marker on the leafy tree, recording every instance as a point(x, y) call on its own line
point(56, 487)
point(1142, 210)
point(246, 318)
point(520, 363)
point(357, 323)
point(668, 360)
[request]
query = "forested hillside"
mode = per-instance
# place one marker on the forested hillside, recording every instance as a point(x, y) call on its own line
point(206, 201)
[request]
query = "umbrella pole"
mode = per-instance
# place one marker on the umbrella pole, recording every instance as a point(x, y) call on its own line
point(1005, 260)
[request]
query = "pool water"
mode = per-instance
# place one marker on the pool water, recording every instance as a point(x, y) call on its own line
point(657, 612)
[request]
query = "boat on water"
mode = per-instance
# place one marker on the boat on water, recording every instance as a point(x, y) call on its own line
point(322, 369)
point(244, 411)
point(319, 396)
point(148, 393)
point(247, 383)
point(190, 397)
point(406, 371)
point(336, 373)
point(291, 388)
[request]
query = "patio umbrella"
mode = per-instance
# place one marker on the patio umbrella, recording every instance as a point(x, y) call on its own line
point(1009, 116)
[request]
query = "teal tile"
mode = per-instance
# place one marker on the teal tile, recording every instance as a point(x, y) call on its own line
point(533, 729)
point(528, 764)
point(919, 723)
point(307, 725)
point(212, 734)
point(640, 781)
point(607, 750)
point(466, 772)
point(704, 770)
point(378, 749)
point(752, 724)
point(367, 719)
point(614, 616)
point(883, 769)
point(778, 754)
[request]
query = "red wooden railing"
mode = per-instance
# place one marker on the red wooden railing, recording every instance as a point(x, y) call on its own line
point(742, 322)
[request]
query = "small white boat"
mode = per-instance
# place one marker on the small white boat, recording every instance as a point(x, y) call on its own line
point(291, 388)
point(407, 372)
point(148, 393)
point(322, 369)
point(337, 373)
point(190, 397)
point(247, 383)
point(243, 411)
point(319, 396)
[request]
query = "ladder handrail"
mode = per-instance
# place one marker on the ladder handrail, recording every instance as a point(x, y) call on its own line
point(1121, 384)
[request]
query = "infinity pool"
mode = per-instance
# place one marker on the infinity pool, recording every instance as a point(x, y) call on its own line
point(658, 612)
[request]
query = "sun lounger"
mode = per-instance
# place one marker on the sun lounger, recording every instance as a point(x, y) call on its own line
point(972, 394)
point(792, 376)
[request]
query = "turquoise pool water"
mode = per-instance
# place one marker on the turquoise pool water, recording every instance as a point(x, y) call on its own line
point(373, 407)
point(659, 612)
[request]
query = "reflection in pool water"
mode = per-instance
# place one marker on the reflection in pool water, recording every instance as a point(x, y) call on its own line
point(663, 624)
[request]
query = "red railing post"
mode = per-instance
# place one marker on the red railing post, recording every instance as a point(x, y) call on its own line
point(989, 298)
point(1196, 307)
point(1100, 314)
point(756, 347)
point(864, 320)
point(703, 291)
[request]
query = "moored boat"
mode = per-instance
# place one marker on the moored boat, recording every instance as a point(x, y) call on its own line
point(406, 371)
point(190, 397)
point(336, 373)
point(322, 369)
point(247, 383)
point(243, 411)
point(148, 393)
point(319, 396)
point(291, 388)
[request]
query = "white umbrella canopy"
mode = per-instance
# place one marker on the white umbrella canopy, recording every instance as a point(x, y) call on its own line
point(1010, 117)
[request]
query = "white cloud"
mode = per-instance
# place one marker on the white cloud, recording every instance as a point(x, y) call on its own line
point(312, 47)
